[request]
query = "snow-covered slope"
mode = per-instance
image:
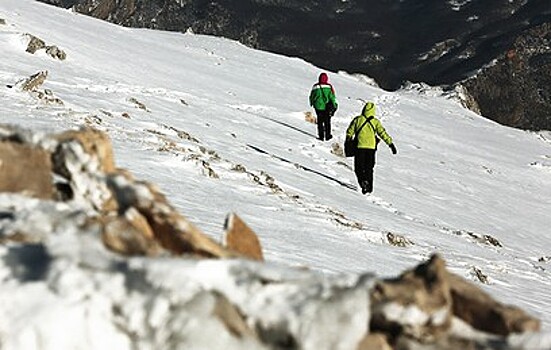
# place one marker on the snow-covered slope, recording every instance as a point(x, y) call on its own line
point(463, 186)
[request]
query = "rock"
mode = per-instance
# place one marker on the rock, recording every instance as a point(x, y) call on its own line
point(514, 90)
point(398, 240)
point(310, 117)
point(130, 234)
point(240, 238)
point(417, 304)
point(25, 169)
point(420, 303)
point(83, 158)
point(47, 96)
point(2, 21)
point(94, 142)
point(337, 149)
point(34, 44)
point(56, 52)
point(374, 341)
point(171, 230)
point(34, 81)
point(478, 309)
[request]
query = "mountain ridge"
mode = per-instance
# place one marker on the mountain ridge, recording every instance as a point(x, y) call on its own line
point(434, 42)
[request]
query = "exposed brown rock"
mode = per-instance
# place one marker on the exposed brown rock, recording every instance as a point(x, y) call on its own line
point(173, 232)
point(95, 143)
point(240, 238)
point(34, 44)
point(374, 341)
point(310, 117)
point(130, 234)
point(47, 96)
point(478, 309)
point(34, 81)
point(398, 240)
point(56, 52)
point(26, 170)
point(418, 303)
point(2, 21)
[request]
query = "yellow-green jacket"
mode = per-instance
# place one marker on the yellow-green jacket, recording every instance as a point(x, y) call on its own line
point(367, 136)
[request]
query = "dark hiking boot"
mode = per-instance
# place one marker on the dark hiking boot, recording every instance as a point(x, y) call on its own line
point(328, 137)
point(365, 186)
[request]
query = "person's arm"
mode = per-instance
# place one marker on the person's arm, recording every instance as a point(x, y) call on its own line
point(385, 136)
point(351, 129)
point(333, 98)
point(380, 130)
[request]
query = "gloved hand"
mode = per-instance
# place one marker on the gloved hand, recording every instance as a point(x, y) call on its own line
point(393, 148)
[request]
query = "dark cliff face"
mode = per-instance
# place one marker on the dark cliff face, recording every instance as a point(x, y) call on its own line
point(438, 42)
point(516, 89)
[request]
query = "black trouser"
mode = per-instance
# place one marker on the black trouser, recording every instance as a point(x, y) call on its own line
point(364, 162)
point(324, 125)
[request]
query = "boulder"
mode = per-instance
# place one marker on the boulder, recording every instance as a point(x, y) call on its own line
point(418, 303)
point(34, 44)
point(240, 238)
point(129, 234)
point(25, 169)
point(94, 142)
point(82, 158)
point(34, 81)
point(170, 229)
point(56, 52)
point(477, 308)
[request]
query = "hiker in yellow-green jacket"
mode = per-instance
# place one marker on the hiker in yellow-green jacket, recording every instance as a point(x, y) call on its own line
point(369, 132)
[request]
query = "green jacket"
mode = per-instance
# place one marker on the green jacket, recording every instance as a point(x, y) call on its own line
point(366, 137)
point(320, 95)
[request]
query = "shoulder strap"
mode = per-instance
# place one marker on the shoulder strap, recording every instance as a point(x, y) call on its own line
point(368, 120)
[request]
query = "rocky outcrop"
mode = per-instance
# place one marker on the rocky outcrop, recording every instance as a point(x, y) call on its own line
point(33, 85)
point(423, 306)
point(134, 216)
point(93, 142)
point(35, 44)
point(514, 90)
point(478, 309)
point(72, 211)
point(33, 82)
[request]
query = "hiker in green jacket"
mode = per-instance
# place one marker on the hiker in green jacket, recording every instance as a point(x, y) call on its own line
point(322, 98)
point(369, 131)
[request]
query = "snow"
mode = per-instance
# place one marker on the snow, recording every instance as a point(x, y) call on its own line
point(213, 107)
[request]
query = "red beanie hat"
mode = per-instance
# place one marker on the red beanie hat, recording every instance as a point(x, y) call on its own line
point(323, 78)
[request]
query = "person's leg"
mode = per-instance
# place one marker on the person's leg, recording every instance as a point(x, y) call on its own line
point(369, 165)
point(360, 168)
point(328, 135)
point(321, 121)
